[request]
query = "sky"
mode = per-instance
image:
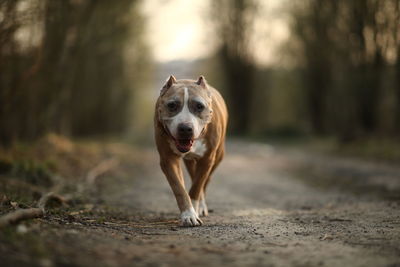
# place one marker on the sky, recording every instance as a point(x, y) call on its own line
point(178, 30)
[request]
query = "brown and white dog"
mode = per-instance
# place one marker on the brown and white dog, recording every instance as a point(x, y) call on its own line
point(190, 124)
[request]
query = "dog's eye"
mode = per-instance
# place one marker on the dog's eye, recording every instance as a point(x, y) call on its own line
point(172, 106)
point(199, 107)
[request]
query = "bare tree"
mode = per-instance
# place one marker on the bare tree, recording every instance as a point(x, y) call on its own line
point(346, 48)
point(72, 80)
point(234, 23)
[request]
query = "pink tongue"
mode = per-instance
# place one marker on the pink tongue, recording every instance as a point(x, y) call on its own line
point(184, 145)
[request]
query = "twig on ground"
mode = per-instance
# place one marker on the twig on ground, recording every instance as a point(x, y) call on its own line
point(100, 169)
point(20, 215)
point(25, 214)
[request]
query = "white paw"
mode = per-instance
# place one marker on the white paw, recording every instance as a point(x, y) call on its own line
point(203, 210)
point(190, 218)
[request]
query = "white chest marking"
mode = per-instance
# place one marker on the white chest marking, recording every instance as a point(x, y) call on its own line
point(199, 147)
point(198, 150)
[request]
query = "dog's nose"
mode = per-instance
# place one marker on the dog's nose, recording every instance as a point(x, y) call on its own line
point(185, 130)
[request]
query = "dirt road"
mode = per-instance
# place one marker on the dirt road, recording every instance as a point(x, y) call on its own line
point(269, 207)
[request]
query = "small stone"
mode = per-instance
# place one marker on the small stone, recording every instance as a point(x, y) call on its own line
point(72, 231)
point(45, 263)
point(22, 229)
point(327, 237)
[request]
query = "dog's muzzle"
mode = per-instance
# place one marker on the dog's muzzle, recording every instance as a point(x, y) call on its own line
point(184, 138)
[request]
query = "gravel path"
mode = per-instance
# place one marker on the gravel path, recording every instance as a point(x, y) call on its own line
point(269, 207)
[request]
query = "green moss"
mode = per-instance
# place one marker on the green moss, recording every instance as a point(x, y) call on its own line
point(33, 172)
point(28, 243)
point(5, 166)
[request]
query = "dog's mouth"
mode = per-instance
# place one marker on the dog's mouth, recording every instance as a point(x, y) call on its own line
point(184, 145)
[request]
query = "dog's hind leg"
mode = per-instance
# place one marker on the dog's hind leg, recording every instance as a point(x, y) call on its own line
point(203, 209)
point(191, 167)
point(218, 159)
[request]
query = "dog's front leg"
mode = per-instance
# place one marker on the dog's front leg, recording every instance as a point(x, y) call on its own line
point(173, 171)
point(203, 171)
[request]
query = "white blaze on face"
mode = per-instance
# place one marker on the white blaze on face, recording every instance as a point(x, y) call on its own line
point(184, 116)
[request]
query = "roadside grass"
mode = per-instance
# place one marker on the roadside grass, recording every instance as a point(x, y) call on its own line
point(58, 164)
point(375, 149)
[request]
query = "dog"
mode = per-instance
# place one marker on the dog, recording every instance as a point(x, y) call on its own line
point(190, 123)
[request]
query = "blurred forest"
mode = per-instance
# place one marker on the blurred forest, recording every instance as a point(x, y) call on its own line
point(63, 67)
point(350, 66)
point(344, 76)
point(76, 68)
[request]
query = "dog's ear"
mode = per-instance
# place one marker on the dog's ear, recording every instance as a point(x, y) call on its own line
point(202, 81)
point(171, 80)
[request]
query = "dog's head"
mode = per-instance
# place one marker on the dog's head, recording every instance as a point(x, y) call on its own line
point(185, 109)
